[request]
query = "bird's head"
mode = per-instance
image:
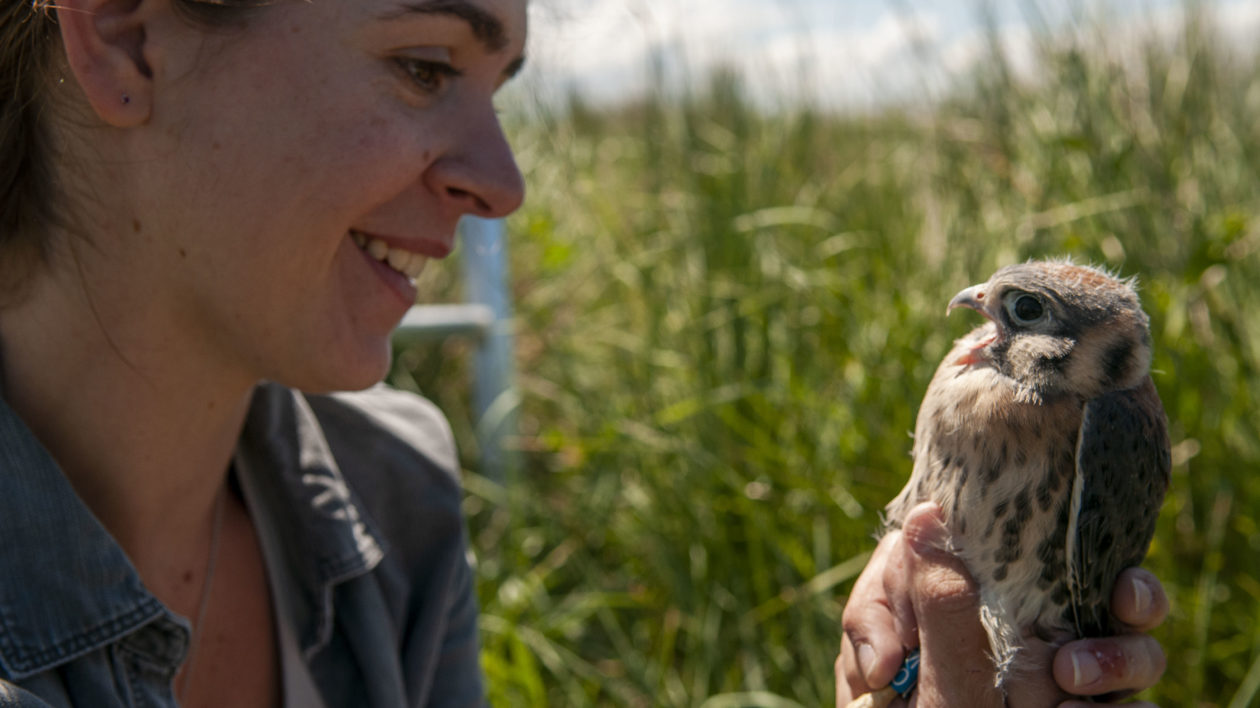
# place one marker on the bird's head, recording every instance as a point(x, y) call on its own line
point(1059, 328)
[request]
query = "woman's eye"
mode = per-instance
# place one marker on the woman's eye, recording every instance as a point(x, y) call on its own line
point(1025, 308)
point(429, 76)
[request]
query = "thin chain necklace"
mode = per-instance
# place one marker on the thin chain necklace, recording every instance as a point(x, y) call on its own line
point(204, 602)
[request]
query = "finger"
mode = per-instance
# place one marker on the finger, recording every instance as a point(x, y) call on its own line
point(847, 674)
point(872, 652)
point(885, 697)
point(1081, 704)
point(896, 587)
point(850, 682)
point(1093, 667)
point(850, 693)
point(1138, 599)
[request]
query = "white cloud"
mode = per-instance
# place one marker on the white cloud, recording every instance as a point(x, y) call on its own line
point(851, 53)
point(605, 48)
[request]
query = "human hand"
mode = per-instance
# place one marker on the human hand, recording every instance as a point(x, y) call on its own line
point(914, 593)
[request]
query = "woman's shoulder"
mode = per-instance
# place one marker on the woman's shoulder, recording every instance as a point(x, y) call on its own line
point(384, 420)
point(388, 454)
point(389, 431)
point(395, 449)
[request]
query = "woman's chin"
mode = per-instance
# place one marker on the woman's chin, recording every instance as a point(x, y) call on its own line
point(350, 372)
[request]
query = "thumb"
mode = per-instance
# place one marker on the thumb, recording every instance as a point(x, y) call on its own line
point(955, 666)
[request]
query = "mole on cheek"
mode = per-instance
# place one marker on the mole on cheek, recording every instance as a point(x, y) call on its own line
point(135, 225)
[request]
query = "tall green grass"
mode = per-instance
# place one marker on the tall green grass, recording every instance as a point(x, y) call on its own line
point(728, 316)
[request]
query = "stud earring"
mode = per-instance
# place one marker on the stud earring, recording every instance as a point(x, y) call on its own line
point(126, 99)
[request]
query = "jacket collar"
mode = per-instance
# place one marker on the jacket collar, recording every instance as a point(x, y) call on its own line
point(284, 459)
point(67, 588)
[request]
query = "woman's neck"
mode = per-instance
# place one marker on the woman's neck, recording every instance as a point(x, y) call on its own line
point(140, 422)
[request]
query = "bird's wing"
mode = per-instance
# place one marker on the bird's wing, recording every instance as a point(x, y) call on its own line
point(1122, 471)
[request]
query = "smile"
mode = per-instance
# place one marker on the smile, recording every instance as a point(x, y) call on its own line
point(409, 263)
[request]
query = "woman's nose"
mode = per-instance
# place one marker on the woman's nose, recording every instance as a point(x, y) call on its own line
point(480, 174)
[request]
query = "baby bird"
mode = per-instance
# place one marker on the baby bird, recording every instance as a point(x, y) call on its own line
point(1044, 441)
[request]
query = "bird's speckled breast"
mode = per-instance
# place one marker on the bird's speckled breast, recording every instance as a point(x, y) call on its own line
point(1002, 469)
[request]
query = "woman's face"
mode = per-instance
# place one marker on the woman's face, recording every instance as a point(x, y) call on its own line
point(284, 161)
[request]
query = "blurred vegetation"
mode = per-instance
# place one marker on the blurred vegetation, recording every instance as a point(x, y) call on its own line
point(728, 316)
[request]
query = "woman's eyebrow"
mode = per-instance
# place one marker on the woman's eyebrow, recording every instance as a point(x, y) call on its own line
point(487, 28)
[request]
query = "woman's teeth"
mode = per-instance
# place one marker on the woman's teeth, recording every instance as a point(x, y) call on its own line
point(406, 262)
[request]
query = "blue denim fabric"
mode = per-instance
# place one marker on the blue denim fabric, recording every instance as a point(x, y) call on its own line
point(365, 494)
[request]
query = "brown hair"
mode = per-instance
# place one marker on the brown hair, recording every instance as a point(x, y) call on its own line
point(28, 36)
point(29, 70)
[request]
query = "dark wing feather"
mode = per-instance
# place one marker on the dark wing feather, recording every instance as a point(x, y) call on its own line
point(1123, 465)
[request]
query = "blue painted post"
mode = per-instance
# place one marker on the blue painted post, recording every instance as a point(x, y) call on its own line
point(495, 398)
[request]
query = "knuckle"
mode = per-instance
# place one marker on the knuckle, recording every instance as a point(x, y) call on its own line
point(851, 621)
point(862, 618)
point(944, 589)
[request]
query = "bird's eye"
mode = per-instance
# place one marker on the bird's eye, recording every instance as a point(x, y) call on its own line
point(1025, 308)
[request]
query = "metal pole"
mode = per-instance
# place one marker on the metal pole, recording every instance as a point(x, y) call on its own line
point(495, 399)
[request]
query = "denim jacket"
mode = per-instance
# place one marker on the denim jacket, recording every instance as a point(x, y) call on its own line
point(364, 491)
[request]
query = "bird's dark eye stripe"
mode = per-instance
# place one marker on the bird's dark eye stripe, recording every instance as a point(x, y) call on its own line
point(1116, 362)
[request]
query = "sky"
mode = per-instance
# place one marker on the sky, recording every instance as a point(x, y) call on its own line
point(850, 54)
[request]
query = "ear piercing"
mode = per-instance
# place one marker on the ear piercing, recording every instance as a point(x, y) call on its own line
point(126, 99)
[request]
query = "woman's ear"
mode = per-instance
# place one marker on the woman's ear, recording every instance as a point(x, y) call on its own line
point(104, 42)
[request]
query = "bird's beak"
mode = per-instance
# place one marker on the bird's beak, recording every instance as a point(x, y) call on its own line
point(972, 298)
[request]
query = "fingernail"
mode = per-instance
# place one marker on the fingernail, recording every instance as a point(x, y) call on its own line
point(866, 659)
point(1085, 669)
point(1141, 597)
